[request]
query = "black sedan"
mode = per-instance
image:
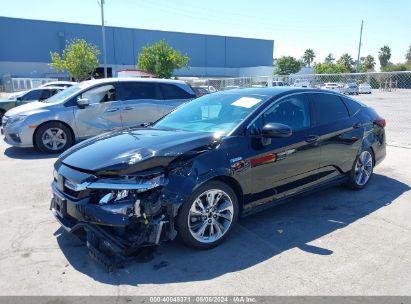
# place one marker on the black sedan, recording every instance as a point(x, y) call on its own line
point(218, 157)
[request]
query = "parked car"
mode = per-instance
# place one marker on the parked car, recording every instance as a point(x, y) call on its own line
point(214, 159)
point(62, 84)
point(210, 89)
point(301, 83)
point(278, 83)
point(331, 86)
point(351, 89)
point(25, 97)
point(364, 88)
point(200, 91)
point(231, 87)
point(90, 108)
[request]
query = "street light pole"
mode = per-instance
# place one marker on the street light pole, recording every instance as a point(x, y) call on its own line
point(359, 48)
point(103, 32)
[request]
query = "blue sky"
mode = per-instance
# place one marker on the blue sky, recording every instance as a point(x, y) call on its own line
point(326, 26)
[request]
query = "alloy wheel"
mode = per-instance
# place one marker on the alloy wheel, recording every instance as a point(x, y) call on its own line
point(210, 215)
point(363, 168)
point(54, 139)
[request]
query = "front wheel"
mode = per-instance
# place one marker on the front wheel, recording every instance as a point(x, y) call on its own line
point(53, 137)
point(208, 216)
point(362, 170)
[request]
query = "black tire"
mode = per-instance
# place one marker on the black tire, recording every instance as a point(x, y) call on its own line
point(2, 112)
point(52, 126)
point(183, 216)
point(353, 178)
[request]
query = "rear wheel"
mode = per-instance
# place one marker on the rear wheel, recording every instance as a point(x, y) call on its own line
point(208, 217)
point(362, 170)
point(53, 137)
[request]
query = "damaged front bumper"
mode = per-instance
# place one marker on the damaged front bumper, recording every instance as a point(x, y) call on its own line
point(117, 217)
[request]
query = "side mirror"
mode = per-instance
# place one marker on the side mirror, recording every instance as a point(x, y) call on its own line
point(82, 103)
point(271, 130)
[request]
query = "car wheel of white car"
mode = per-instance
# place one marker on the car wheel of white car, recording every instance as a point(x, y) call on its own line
point(53, 137)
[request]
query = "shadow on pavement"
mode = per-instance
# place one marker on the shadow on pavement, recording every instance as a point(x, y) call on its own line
point(256, 238)
point(27, 153)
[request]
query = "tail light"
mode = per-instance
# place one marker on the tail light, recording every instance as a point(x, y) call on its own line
point(381, 122)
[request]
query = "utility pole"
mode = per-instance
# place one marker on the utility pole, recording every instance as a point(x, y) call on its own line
point(359, 48)
point(103, 32)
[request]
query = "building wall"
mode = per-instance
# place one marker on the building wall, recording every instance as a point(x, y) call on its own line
point(29, 42)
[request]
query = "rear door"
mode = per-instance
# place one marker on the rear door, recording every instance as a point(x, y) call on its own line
point(284, 165)
point(340, 134)
point(141, 102)
point(101, 115)
point(173, 96)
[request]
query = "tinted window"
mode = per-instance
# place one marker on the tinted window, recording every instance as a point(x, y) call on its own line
point(328, 108)
point(352, 105)
point(171, 91)
point(293, 111)
point(32, 95)
point(137, 90)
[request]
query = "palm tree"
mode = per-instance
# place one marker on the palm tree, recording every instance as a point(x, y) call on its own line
point(347, 61)
point(367, 63)
point(329, 59)
point(384, 56)
point(308, 57)
point(408, 55)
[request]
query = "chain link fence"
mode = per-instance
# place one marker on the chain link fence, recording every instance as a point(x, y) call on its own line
point(388, 92)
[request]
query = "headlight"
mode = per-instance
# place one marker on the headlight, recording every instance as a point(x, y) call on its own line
point(15, 119)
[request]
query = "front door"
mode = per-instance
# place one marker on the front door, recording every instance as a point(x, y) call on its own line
point(101, 115)
point(283, 166)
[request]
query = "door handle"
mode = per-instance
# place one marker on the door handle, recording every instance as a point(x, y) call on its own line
point(128, 108)
point(312, 138)
point(356, 125)
point(112, 110)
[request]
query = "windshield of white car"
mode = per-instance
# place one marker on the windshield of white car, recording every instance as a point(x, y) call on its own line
point(63, 95)
point(214, 113)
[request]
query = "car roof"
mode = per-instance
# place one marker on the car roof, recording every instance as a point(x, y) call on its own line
point(132, 79)
point(273, 91)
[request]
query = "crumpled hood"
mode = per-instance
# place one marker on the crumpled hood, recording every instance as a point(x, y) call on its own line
point(28, 108)
point(132, 150)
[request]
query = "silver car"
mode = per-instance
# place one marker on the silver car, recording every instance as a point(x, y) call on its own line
point(90, 108)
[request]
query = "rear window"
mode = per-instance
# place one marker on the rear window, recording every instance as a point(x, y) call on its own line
point(171, 91)
point(328, 108)
point(352, 105)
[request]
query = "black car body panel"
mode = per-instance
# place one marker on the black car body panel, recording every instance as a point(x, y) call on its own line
point(161, 168)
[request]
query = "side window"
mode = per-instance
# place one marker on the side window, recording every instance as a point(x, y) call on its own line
point(352, 105)
point(293, 111)
point(100, 94)
point(45, 94)
point(32, 95)
point(328, 108)
point(137, 90)
point(171, 91)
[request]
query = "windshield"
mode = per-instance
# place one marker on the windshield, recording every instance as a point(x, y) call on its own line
point(63, 95)
point(217, 113)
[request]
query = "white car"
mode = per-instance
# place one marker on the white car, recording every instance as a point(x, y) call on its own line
point(61, 84)
point(331, 86)
point(210, 89)
point(301, 83)
point(364, 88)
point(278, 83)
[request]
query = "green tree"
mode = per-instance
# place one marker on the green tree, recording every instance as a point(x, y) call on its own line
point(161, 59)
point(287, 65)
point(367, 63)
point(408, 55)
point(79, 59)
point(347, 61)
point(330, 68)
point(329, 59)
point(308, 57)
point(384, 55)
point(398, 67)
